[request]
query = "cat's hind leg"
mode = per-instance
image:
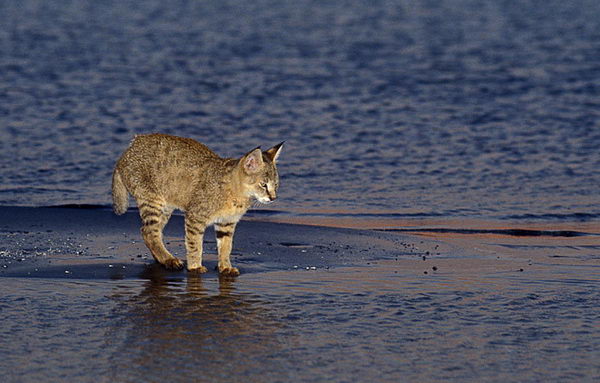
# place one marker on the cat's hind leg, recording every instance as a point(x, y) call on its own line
point(155, 215)
point(224, 233)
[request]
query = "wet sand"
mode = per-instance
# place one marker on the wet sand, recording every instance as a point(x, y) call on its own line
point(82, 301)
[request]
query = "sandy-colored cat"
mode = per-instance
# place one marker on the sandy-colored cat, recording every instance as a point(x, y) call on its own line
point(165, 172)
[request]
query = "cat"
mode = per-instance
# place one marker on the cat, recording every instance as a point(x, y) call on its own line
point(164, 172)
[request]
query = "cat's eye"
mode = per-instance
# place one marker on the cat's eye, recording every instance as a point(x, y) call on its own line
point(263, 185)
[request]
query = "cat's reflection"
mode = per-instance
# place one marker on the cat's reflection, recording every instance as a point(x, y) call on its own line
point(184, 318)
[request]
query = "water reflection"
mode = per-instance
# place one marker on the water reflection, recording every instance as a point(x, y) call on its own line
point(195, 325)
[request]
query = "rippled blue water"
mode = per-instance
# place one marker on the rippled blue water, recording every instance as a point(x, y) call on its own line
point(312, 328)
point(451, 108)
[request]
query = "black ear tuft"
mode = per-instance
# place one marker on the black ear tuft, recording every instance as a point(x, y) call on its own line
point(274, 152)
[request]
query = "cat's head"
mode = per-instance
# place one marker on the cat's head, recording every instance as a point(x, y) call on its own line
point(261, 179)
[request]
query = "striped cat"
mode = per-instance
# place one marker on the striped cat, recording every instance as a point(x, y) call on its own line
point(164, 173)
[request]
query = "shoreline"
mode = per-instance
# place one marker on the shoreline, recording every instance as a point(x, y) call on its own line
point(579, 223)
point(39, 239)
point(32, 236)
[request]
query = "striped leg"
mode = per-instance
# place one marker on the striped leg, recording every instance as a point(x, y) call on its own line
point(155, 216)
point(224, 233)
point(194, 235)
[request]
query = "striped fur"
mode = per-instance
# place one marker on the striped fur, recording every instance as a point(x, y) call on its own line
point(165, 172)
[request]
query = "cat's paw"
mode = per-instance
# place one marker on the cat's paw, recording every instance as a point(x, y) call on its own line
point(198, 270)
point(173, 264)
point(229, 271)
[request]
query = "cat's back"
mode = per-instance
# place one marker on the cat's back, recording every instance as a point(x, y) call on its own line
point(162, 150)
point(159, 145)
point(168, 165)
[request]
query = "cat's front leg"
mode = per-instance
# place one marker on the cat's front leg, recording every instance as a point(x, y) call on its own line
point(224, 233)
point(194, 235)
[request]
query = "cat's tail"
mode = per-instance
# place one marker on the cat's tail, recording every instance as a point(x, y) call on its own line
point(120, 195)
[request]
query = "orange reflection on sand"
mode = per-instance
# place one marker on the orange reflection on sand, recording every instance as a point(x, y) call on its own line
point(370, 221)
point(530, 242)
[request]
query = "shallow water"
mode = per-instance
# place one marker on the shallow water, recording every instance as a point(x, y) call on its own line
point(445, 109)
point(81, 301)
point(381, 323)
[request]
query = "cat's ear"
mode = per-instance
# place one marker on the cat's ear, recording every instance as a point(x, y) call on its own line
point(274, 152)
point(253, 162)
